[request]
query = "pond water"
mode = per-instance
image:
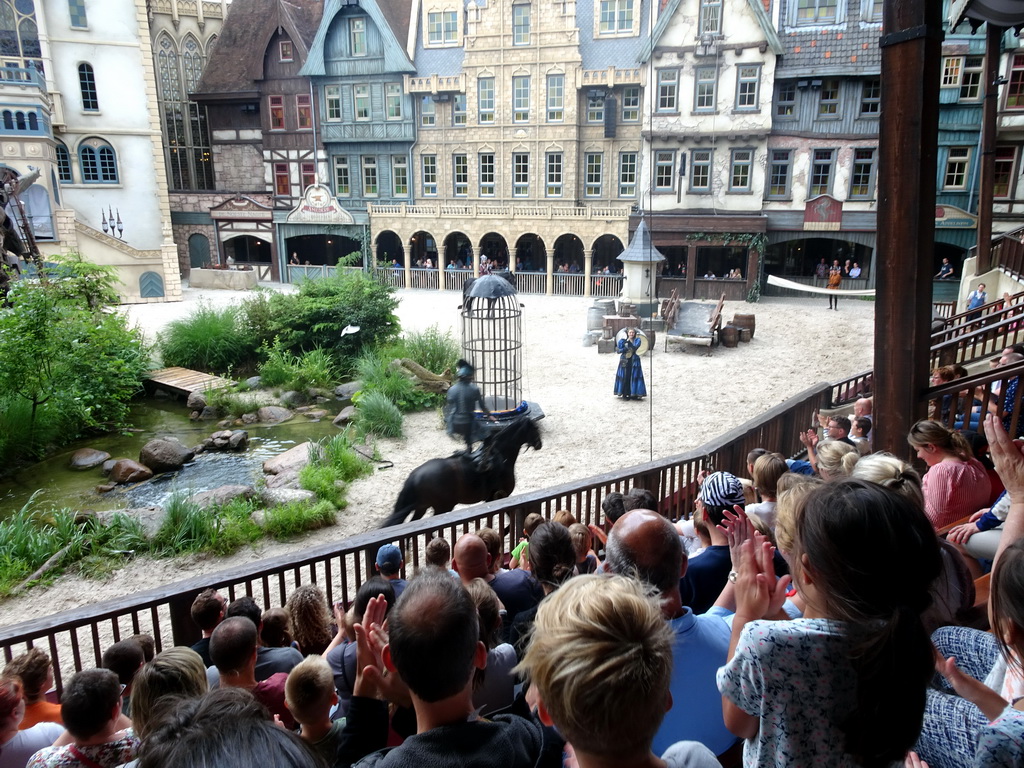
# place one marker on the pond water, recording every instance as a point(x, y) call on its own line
point(64, 487)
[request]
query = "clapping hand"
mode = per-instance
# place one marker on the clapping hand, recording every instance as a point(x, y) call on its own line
point(1007, 456)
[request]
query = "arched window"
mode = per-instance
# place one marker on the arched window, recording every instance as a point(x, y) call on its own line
point(33, 121)
point(186, 136)
point(98, 161)
point(19, 120)
point(63, 163)
point(87, 82)
point(8, 120)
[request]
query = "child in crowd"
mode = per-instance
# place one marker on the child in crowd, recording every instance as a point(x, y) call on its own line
point(521, 553)
point(564, 517)
point(36, 675)
point(582, 541)
point(276, 631)
point(309, 695)
point(438, 552)
point(600, 663)
point(845, 685)
point(766, 472)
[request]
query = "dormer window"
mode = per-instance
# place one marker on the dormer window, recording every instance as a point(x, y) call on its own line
point(285, 51)
point(357, 36)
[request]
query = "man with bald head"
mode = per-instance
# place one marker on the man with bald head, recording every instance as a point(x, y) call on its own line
point(644, 545)
point(470, 558)
point(516, 589)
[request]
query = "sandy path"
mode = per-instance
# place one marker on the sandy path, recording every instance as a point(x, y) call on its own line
point(586, 430)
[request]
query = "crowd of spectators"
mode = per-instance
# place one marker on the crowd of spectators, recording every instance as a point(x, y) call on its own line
point(793, 617)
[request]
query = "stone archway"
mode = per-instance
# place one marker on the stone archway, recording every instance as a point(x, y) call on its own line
point(389, 248)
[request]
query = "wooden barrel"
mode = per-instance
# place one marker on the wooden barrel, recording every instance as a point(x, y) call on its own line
point(744, 321)
point(595, 318)
point(730, 336)
point(746, 334)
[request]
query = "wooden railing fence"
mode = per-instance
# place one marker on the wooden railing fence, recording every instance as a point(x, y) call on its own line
point(75, 639)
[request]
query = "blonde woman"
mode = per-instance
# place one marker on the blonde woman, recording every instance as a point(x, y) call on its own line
point(956, 484)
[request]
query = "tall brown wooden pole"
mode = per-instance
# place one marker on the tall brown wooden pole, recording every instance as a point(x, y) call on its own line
point(911, 51)
point(993, 38)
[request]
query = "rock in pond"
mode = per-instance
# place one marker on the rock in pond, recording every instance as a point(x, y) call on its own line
point(87, 458)
point(196, 401)
point(273, 497)
point(292, 459)
point(273, 414)
point(345, 391)
point(165, 454)
point(129, 471)
point(222, 495)
point(345, 416)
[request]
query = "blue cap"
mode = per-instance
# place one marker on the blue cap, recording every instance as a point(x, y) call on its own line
point(389, 558)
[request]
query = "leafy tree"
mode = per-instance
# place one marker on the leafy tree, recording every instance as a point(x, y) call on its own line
point(66, 360)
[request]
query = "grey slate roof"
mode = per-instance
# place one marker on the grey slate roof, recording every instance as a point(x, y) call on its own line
point(621, 52)
point(237, 60)
point(641, 247)
point(438, 61)
point(850, 48)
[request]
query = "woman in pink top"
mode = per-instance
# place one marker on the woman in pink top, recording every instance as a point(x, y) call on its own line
point(956, 484)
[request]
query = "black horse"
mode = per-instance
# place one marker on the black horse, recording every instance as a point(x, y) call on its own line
point(460, 479)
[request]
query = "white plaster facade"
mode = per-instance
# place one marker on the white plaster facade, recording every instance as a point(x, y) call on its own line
point(100, 92)
point(724, 119)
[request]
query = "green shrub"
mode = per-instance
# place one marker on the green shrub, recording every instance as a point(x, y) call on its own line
point(21, 435)
point(256, 319)
point(315, 369)
point(316, 315)
point(291, 519)
point(278, 366)
point(434, 350)
point(209, 339)
point(376, 372)
point(339, 453)
point(376, 414)
point(186, 528)
point(229, 401)
point(323, 479)
point(235, 527)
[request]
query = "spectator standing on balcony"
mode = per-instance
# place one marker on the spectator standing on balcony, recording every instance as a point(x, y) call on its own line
point(855, 270)
point(976, 299)
point(835, 279)
point(945, 271)
point(956, 484)
point(821, 271)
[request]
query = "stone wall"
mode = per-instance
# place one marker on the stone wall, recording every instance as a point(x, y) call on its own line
point(239, 167)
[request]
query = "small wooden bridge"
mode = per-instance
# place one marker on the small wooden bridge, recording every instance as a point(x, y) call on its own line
point(181, 382)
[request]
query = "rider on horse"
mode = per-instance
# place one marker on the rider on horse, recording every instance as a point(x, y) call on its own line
point(460, 409)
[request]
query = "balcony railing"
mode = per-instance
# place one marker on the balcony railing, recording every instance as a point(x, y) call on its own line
point(76, 639)
point(506, 210)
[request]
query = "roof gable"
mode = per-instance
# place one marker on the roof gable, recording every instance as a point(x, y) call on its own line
point(391, 17)
point(236, 62)
point(771, 36)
